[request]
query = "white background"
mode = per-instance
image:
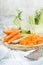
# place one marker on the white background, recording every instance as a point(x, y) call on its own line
point(9, 7)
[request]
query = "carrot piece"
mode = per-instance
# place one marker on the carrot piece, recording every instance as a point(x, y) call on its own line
point(3, 40)
point(11, 35)
point(9, 31)
point(14, 38)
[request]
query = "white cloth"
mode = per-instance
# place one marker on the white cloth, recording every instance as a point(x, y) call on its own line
point(16, 57)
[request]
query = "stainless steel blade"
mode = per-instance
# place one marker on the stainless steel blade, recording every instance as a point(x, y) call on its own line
point(35, 55)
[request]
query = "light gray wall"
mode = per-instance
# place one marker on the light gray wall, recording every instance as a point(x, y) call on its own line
point(9, 7)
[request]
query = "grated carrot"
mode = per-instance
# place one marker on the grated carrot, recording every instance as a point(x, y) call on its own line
point(31, 40)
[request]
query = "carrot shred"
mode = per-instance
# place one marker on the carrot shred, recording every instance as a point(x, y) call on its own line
point(31, 40)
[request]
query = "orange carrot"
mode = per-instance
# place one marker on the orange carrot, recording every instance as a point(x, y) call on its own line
point(3, 40)
point(14, 38)
point(11, 35)
point(9, 31)
point(31, 40)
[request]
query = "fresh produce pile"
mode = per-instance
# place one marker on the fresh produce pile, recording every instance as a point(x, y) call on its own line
point(29, 30)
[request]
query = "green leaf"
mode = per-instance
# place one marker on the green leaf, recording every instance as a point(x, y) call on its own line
point(18, 19)
point(41, 17)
